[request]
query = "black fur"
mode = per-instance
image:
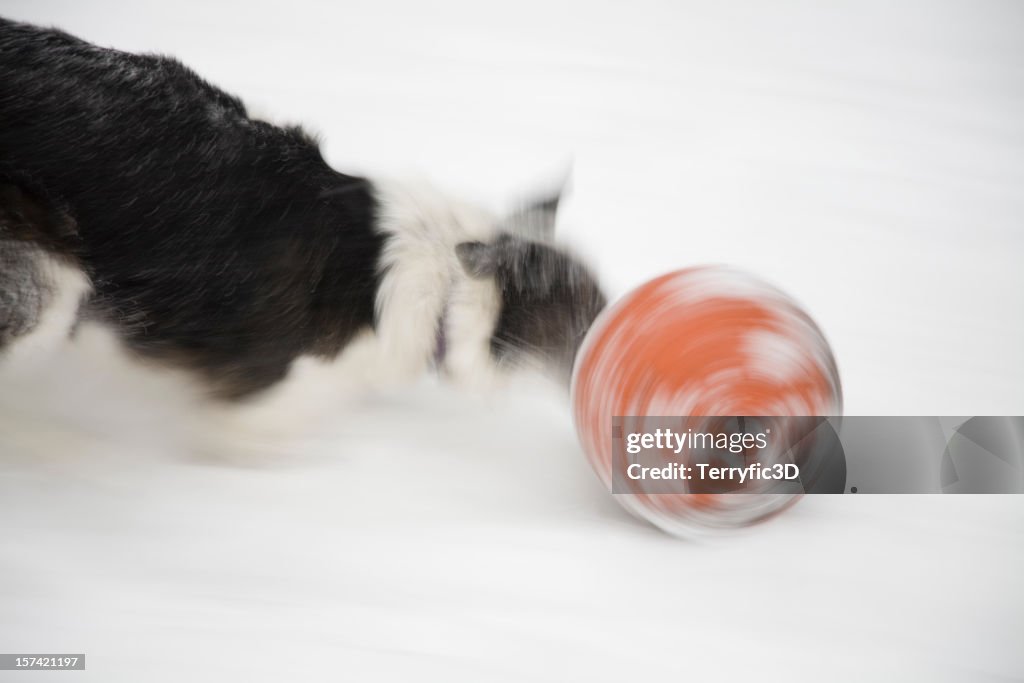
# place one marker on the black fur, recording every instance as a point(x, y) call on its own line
point(29, 214)
point(212, 240)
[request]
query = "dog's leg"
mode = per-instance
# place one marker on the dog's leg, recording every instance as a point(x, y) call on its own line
point(281, 420)
point(41, 286)
point(40, 295)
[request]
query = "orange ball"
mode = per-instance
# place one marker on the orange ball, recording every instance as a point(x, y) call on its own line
point(707, 341)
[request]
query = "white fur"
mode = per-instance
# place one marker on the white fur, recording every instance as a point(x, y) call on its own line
point(423, 276)
point(67, 286)
point(472, 316)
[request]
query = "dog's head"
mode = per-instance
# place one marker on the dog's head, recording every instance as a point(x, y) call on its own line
point(547, 298)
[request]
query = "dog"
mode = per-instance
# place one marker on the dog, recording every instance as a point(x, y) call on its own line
point(136, 196)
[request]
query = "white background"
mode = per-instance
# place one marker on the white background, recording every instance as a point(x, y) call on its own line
point(867, 158)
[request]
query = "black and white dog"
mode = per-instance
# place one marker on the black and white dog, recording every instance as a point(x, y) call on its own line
point(136, 196)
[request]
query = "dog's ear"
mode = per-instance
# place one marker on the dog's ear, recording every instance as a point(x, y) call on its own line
point(536, 220)
point(478, 259)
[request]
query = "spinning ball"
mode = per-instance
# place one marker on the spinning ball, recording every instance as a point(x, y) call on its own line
point(695, 343)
